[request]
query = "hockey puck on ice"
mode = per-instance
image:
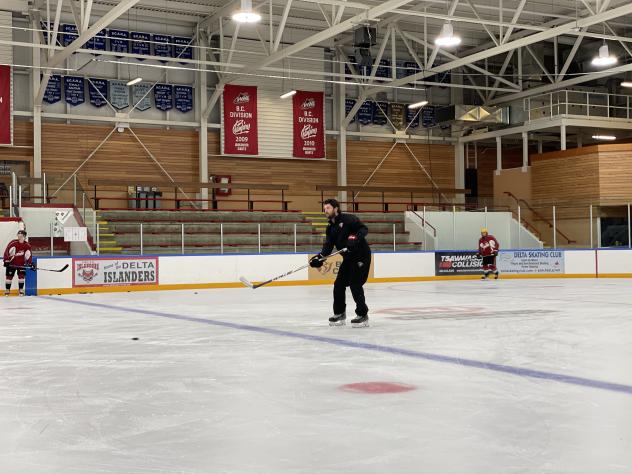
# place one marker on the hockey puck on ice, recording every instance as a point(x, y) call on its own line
point(377, 387)
point(134, 339)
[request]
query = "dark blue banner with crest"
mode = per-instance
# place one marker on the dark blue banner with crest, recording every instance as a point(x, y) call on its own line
point(98, 91)
point(74, 90)
point(163, 46)
point(97, 42)
point(181, 49)
point(349, 103)
point(53, 90)
point(69, 34)
point(140, 43)
point(184, 98)
point(412, 117)
point(380, 109)
point(163, 96)
point(365, 113)
point(119, 41)
point(428, 118)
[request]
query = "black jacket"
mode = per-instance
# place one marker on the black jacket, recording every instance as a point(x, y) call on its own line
point(338, 232)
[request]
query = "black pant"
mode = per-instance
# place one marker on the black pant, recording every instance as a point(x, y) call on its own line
point(11, 271)
point(354, 274)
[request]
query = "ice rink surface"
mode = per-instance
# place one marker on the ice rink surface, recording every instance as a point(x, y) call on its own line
point(513, 376)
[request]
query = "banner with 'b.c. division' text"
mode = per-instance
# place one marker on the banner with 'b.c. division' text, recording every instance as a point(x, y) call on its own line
point(6, 135)
point(240, 120)
point(309, 124)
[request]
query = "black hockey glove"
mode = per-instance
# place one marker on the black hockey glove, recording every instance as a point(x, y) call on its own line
point(352, 242)
point(6, 263)
point(478, 255)
point(315, 261)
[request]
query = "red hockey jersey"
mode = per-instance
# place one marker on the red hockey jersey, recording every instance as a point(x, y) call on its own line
point(488, 245)
point(18, 254)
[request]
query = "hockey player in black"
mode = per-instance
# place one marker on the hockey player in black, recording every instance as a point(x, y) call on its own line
point(347, 231)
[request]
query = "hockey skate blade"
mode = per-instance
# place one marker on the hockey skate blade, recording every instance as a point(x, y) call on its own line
point(360, 325)
point(340, 323)
point(247, 283)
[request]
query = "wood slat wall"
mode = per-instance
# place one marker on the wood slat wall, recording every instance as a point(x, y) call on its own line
point(66, 146)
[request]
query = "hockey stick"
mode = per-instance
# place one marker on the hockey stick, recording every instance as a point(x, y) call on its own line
point(249, 284)
point(19, 267)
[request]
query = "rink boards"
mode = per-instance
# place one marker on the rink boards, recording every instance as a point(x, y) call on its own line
point(147, 273)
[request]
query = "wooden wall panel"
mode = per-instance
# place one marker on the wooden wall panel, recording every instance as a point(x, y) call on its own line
point(571, 179)
point(615, 174)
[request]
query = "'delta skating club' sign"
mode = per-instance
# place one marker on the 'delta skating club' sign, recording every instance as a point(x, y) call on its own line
point(309, 127)
point(87, 272)
point(240, 120)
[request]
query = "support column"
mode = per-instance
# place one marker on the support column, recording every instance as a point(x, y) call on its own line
point(525, 151)
point(342, 137)
point(37, 109)
point(499, 155)
point(580, 141)
point(562, 137)
point(203, 134)
point(539, 145)
point(459, 170)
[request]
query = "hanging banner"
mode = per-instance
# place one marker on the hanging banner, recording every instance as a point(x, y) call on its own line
point(365, 113)
point(97, 42)
point(181, 49)
point(163, 96)
point(98, 92)
point(380, 109)
point(349, 103)
point(309, 126)
point(45, 29)
point(428, 119)
point(240, 120)
point(384, 69)
point(69, 34)
point(74, 91)
point(140, 43)
point(348, 69)
point(140, 96)
point(119, 41)
point(53, 90)
point(6, 117)
point(411, 68)
point(397, 115)
point(183, 98)
point(119, 94)
point(412, 117)
point(162, 46)
point(401, 70)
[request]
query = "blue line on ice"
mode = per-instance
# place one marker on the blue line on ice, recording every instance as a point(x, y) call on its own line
point(507, 369)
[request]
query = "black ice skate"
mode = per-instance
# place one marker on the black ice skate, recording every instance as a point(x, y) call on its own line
point(6, 292)
point(360, 322)
point(496, 275)
point(485, 275)
point(21, 293)
point(338, 320)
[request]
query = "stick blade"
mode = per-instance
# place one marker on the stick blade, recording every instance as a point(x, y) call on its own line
point(64, 268)
point(246, 282)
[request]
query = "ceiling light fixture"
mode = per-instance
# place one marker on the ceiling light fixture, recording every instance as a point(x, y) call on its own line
point(288, 94)
point(447, 38)
point(416, 105)
point(604, 137)
point(246, 14)
point(604, 58)
point(134, 81)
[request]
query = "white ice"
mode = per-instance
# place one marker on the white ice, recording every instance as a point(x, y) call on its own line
point(79, 395)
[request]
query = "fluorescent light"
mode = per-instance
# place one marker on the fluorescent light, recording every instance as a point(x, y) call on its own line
point(134, 81)
point(604, 137)
point(246, 14)
point(447, 38)
point(416, 105)
point(604, 58)
point(626, 84)
point(288, 94)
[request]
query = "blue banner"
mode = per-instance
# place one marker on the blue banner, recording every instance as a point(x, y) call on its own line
point(163, 96)
point(74, 90)
point(69, 34)
point(141, 99)
point(412, 117)
point(97, 42)
point(428, 119)
point(349, 103)
point(45, 33)
point(384, 69)
point(347, 69)
point(365, 113)
point(140, 43)
point(162, 46)
point(98, 92)
point(182, 50)
point(411, 68)
point(53, 90)
point(401, 70)
point(184, 98)
point(119, 41)
point(119, 94)
point(380, 109)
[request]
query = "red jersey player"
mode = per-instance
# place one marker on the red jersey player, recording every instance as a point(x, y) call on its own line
point(488, 249)
point(17, 254)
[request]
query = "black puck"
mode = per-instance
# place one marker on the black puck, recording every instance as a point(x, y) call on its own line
point(134, 339)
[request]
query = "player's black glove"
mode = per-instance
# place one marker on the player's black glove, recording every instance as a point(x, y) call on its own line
point(352, 242)
point(315, 261)
point(6, 264)
point(478, 255)
point(495, 254)
point(32, 266)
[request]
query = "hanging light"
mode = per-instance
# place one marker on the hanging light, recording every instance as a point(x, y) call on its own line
point(134, 81)
point(246, 14)
point(288, 94)
point(626, 84)
point(604, 58)
point(417, 105)
point(604, 137)
point(447, 37)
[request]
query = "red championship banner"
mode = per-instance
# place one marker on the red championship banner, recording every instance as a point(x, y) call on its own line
point(5, 106)
point(309, 124)
point(240, 120)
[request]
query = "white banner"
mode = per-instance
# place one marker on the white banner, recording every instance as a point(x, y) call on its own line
point(531, 261)
point(88, 272)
